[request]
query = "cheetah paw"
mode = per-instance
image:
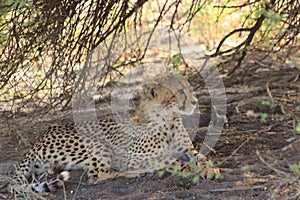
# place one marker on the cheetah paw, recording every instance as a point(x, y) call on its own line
point(208, 171)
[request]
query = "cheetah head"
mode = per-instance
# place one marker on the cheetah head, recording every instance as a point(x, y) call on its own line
point(170, 91)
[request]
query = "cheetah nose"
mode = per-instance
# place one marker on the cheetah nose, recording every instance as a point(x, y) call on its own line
point(193, 102)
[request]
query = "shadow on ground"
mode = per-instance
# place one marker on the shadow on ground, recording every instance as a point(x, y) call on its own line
point(254, 152)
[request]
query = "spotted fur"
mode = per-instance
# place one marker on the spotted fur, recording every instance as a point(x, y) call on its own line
point(109, 148)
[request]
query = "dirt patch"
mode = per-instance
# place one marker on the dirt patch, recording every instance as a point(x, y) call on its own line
point(255, 151)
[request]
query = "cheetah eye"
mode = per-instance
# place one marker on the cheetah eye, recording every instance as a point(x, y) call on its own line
point(181, 91)
point(193, 102)
point(153, 93)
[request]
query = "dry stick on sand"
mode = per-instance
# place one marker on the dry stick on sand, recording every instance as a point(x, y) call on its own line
point(256, 187)
point(270, 166)
point(274, 101)
point(234, 152)
point(275, 169)
point(64, 189)
point(292, 179)
point(78, 186)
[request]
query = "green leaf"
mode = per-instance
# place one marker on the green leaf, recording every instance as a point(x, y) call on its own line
point(175, 170)
point(267, 103)
point(185, 174)
point(209, 164)
point(262, 12)
point(196, 179)
point(263, 117)
point(247, 168)
point(295, 169)
point(275, 162)
point(277, 17)
point(297, 127)
point(9, 2)
point(295, 64)
point(176, 59)
point(160, 173)
point(116, 65)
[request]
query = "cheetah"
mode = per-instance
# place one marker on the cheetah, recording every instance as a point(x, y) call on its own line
point(108, 148)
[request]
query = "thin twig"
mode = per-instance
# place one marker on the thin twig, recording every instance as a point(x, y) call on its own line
point(270, 166)
point(209, 147)
point(238, 189)
point(234, 152)
point(269, 93)
point(64, 189)
point(79, 184)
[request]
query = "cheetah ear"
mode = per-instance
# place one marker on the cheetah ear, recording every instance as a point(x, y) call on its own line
point(149, 91)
